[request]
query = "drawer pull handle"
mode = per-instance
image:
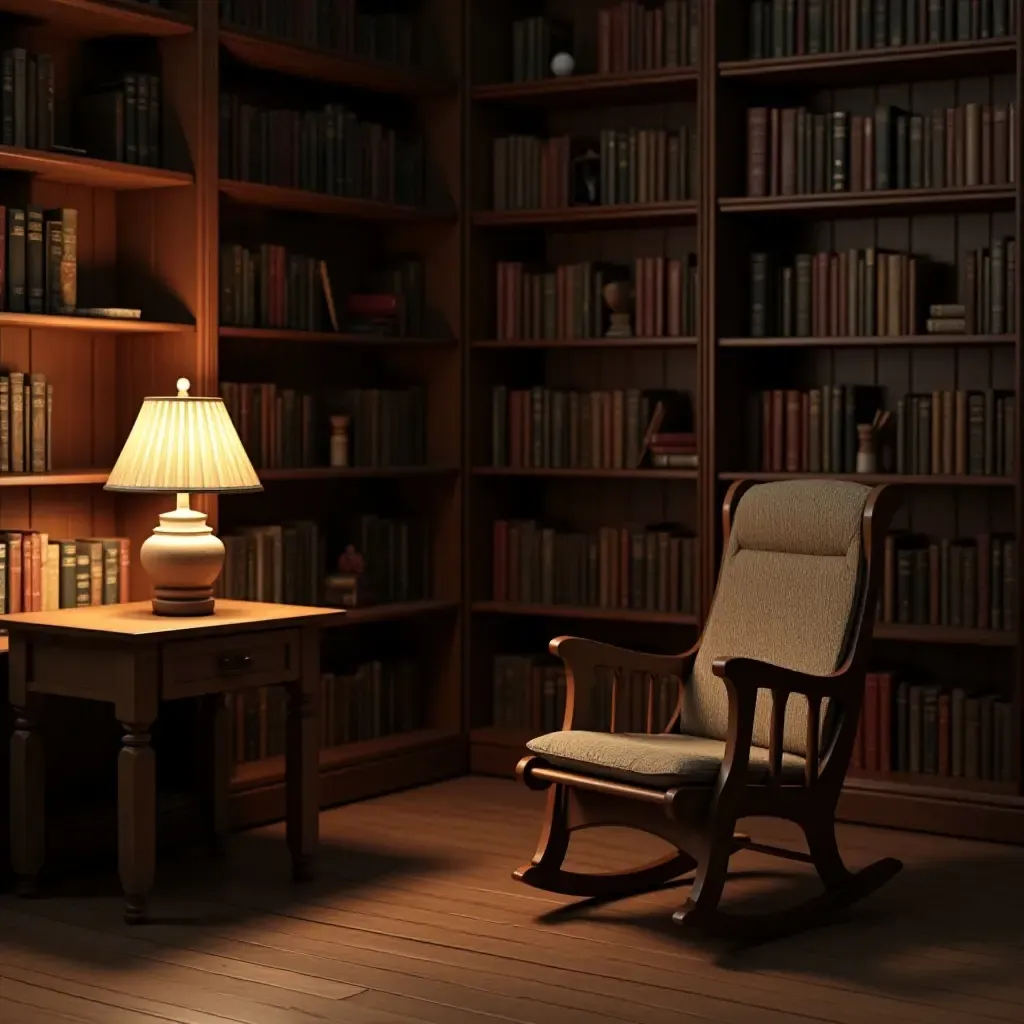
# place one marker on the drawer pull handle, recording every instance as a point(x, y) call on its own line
point(234, 664)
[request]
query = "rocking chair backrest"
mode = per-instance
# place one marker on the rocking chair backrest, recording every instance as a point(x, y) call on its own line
point(788, 593)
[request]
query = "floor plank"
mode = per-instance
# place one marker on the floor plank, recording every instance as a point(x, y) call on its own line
point(414, 917)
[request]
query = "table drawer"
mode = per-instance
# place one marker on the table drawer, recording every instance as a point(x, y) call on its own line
point(222, 664)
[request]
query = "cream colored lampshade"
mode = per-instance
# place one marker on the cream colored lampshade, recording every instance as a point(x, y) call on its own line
point(183, 445)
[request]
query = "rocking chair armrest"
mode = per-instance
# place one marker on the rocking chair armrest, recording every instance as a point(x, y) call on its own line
point(749, 674)
point(584, 655)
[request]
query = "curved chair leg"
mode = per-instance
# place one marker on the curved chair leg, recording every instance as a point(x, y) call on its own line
point(842, 889)
point(545, 871)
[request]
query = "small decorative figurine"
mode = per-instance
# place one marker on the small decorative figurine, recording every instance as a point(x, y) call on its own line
point(347, 587)
point(868, 435)
point(618, 296)
point(586, 178)
point(563, 64)
point(339, 441)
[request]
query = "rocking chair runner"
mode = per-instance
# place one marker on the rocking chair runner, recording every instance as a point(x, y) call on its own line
point(764, 723)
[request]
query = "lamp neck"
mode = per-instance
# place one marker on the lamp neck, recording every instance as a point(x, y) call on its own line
point(182, 501)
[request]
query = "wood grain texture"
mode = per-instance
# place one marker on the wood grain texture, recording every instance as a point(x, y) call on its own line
point(414, 917)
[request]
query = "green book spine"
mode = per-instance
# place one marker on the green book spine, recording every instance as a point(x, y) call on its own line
point(68, 574)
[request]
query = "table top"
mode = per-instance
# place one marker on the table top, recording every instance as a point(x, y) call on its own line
point(136, 621)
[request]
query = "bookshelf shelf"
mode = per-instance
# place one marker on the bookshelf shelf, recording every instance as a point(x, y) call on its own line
point(896, 341)
point(91, 324)
point(920, 200)
point(922, 480)
point(298, 61)
point(64, 478)
point(68, 169)
point(398, 612)
point(572, 343)
point(590, 216)
point(862, 67)
point(355, 473)
point(584, 474)
point(97, 18)
point(626, 87)
point(944, 635)
point(329, 338)
point(935, 786)
point(254, 774)
point(296, 200)
point(555, 611)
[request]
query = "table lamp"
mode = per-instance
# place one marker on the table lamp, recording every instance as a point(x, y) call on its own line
point(183, 446)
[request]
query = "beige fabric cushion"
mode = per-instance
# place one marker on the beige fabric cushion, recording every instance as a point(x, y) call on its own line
point(662, 760)
point(788, 585)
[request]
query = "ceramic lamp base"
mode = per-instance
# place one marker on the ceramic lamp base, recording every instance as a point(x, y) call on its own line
point(183, 559)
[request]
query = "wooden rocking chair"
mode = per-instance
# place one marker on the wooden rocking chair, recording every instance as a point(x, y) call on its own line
point(764, 723)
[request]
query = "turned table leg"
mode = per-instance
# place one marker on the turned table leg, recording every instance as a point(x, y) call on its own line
point(136, 818)
point(302, 760)
point(28, 793)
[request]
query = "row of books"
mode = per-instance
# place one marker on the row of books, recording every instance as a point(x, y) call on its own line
point(271, 287)
point(26, 416)
point(967, 583)
point(276, 563)
point(927, 729)
point(635, 166)
point(38, 260)
point(374, 699)
point(866, 293)
point(634, 36)
point(388, 427)
point(275, 425)
point(287, 562)
point(28, 99)
point(330, 151)
point(122, 120)
point(963, 433)
point(829, 26)
point(40, 574)
point(568, 301)
point(279, 427)
point(643, 568)
point(792, 151)
point(528, 693)
point(544, 428)
point(336, 25)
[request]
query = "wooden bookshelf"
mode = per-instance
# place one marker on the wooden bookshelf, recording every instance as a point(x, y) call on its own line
point(723, 226)
point(93, 19)
point(355, 237)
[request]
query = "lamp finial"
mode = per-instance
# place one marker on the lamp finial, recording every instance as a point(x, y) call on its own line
point(183, 385)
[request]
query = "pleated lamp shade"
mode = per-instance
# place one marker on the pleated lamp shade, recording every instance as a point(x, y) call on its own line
point(183, 445)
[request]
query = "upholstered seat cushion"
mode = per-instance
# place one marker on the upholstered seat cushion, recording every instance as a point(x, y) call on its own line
point(660, 760)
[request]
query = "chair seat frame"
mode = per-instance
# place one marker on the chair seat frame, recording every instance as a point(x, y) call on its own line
point(700, 820)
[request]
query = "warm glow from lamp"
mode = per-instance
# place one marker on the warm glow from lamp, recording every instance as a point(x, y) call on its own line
point(183, 445)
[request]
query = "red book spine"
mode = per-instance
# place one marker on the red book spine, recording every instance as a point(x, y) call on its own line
point(500, 297)
point(625, 551)
point(885, 721)
point(944, 734)
point(778, 430)
point(675, 298)
point(124, 574)
point(659, 296)
point(500, 561)
point(870, 720)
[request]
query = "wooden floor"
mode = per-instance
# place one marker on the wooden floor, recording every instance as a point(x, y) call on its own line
point(414, 917)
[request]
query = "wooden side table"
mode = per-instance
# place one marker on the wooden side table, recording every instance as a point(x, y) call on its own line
point(126, 655)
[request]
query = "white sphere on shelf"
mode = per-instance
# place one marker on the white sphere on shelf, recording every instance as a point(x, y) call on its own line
point(563, 64)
